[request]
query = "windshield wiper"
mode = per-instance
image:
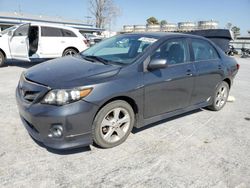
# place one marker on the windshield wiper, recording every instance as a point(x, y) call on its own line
point(96, 58)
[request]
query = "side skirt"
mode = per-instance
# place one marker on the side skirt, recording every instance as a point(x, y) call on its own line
point(170, 114)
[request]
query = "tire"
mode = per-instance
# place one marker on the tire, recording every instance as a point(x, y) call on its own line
point(220, 97)
point(70, 51)
point(2, 59)
point(113, 124)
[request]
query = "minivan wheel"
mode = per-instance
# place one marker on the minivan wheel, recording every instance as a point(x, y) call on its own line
point(220, 97)
point(69, 51)
point(112, 124)
point(2, 59)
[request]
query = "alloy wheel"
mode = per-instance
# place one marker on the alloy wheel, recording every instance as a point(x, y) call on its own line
point(115, 124)
point(70, 52)
point(221, 96)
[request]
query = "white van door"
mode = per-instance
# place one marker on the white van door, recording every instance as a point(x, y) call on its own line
point(19, 43)
point(51, 42)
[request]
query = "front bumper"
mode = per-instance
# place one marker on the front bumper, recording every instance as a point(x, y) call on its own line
point(75, 118)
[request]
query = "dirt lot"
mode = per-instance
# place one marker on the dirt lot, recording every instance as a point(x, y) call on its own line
point(199, 149)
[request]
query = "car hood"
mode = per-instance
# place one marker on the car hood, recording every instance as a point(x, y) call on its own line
point(70, 71)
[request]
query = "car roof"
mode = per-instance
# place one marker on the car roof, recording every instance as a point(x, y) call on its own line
point(163, 34)
point(49, 25)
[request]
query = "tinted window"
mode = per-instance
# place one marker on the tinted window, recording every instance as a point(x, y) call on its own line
point(203, 50)
point(143, 46)
point(51, 32)
point(174, 50)
point(68, 33)
point(22, 30)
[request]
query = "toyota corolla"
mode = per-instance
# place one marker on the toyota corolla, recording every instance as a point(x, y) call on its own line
point(126, 81)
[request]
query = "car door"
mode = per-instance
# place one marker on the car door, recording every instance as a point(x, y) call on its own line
point(208, 67)
point(19, 43)
point(51, 42)
point(169, 89)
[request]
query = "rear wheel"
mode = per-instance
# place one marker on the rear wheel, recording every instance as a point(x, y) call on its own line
point(2, 59)
point(220, 97)
point(70, 51)
point(113, 124)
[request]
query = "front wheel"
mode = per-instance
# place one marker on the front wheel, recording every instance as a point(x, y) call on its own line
point(113, 124)
point(2, 59)
point(220, 97)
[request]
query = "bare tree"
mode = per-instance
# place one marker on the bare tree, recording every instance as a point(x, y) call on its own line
point(104, 12)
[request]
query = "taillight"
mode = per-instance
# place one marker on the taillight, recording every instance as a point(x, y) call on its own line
point(86, 42)
point(238, 66)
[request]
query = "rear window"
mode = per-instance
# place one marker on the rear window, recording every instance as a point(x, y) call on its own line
point(51, 32)
point(203, 50)
point(68, 33)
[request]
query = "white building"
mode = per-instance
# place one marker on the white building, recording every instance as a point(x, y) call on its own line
point(8, 19)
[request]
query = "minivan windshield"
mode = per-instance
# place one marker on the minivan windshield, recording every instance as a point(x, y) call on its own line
point(8, 29)
point(122, 49)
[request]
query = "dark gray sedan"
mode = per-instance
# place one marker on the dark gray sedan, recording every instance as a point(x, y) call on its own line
point(126, 81)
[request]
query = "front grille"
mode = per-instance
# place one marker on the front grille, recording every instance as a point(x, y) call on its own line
point(31, 91)
point(30, 96)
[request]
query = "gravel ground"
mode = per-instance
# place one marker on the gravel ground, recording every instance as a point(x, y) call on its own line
point(198, 149)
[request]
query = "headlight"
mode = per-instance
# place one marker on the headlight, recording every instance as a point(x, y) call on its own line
point(65, 96)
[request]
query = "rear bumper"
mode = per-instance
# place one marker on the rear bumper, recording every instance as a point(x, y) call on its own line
point(75, 118)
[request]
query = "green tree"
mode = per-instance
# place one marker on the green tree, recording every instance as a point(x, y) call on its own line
point(152, 21)
point(164, 22)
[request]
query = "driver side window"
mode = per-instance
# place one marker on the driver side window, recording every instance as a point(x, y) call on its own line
point(175, 51)
point(21, 31)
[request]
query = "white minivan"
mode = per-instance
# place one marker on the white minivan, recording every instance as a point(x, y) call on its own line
point(31, 41)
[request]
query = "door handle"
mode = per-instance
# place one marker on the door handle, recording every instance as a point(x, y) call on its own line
point(189, 73)
point(22, 42)
point(62, 41)
point(219, 66)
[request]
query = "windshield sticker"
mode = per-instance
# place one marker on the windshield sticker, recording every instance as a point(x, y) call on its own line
point(146, 39)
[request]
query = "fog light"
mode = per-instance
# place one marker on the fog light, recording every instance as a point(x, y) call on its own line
point(56, 131)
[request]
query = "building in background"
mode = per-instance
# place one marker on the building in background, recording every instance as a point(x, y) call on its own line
point(208, 29)
point(186, 26)
point(241, 42)
point(172, 27)
point(211, 24)
point(8, 19)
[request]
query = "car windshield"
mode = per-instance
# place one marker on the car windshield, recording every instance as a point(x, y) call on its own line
point(122, 49)
point(8, 29)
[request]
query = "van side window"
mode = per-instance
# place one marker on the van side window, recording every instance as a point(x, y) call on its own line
point(203, 50)
point(68, 33)
point(175, 51)
point(51, 32)
point(22, 31)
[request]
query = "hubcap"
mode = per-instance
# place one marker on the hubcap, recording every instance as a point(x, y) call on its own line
point(221, 96)
point(70, 52)
point(115, 125)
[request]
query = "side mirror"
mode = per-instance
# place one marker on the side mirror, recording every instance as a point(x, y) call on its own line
point(157, 64)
